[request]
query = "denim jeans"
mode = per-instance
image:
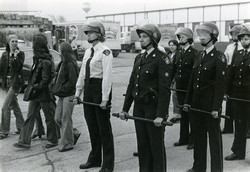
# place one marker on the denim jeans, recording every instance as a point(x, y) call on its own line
point(63, 118)
point(11, 103)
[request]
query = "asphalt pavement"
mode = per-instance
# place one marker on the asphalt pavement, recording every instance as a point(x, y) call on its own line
point(39, 159)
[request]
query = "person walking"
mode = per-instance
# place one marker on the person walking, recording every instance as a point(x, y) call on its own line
point(64, 88)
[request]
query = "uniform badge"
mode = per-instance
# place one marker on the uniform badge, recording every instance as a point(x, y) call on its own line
point(223, 59)
point(166, 74)
point(153, 55)
point(167, 60)
point(106, 52)
point(212, 54)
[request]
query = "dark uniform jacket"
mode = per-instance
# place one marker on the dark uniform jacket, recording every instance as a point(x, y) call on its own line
point(42, 73)
point(207, 83)
point(238, 77)
point(182, 67)
point(150, 82)
point(12, 70)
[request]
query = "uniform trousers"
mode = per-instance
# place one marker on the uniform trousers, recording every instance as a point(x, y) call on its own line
point(49, 112)
point(150, 139)
point(11, 103)
point(241, 112)
point(228, 126)
point(185, 137)
point(204, 125)
point(99, 126)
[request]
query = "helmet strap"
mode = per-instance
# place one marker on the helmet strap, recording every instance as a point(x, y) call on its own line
point(146, 46)
point(205, 44)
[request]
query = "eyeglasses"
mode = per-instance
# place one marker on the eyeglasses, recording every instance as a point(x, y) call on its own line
point(13, 41)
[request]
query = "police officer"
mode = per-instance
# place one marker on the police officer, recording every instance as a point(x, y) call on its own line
point(205, 92)
point(149, 90)
point(230, 52)
point(239, 87)
point(183, 65)
point(95, 80)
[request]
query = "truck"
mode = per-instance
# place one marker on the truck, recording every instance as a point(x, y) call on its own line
point(76, 29)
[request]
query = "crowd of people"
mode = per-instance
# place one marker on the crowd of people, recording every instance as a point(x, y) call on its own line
point(199, 82)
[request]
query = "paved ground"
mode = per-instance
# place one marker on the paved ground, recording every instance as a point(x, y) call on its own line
point(38, 159)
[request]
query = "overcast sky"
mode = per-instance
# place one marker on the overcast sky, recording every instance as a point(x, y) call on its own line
point(72, 9)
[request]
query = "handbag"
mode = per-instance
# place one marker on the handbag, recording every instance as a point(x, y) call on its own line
point(28, 93)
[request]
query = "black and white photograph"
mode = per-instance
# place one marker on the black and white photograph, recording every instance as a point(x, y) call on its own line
point(124, 86)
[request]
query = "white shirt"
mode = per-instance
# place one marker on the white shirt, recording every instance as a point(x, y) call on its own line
point(100, 67)
point(74, 45)
point(230, 50)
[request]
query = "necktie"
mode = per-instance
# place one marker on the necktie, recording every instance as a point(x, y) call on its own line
point(245, 52)
point(87, 71)
point(203, 54)
point(144, 56)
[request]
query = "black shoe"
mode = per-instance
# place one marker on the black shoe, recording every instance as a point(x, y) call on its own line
point(179, 144)
point(21, 145)
point(89, 165)
point(50, 145)
point(105, 170)
point(190, 146)
point(233, 157)
point(135, 154)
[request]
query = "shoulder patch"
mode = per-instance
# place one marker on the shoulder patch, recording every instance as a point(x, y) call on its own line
point(166, 59)
point(223, 58)
point(106, 52)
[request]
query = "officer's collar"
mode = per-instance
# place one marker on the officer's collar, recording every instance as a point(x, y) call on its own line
point(96, 47)
point(148, 51)
point(186, 48)
point(209, 49)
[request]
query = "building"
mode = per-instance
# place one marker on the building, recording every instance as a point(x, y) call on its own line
point(224, 15)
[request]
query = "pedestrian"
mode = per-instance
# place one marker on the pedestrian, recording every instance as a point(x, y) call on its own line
point(238, 86)
point(12, 80)
point(205, 92)
point(149, 89)
point(64, 88)
point(183, 65)
point(230, 52)
point(74, 47)
point(39, 95)
point(95, 79)
point(174, 46)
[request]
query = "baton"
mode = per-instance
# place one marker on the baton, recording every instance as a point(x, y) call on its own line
point(178, 90)
point(237, 99)
point(90, 103)
point(205, 112)
point(164, 123)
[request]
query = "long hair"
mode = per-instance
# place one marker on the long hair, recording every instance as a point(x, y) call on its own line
point(67, 53)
